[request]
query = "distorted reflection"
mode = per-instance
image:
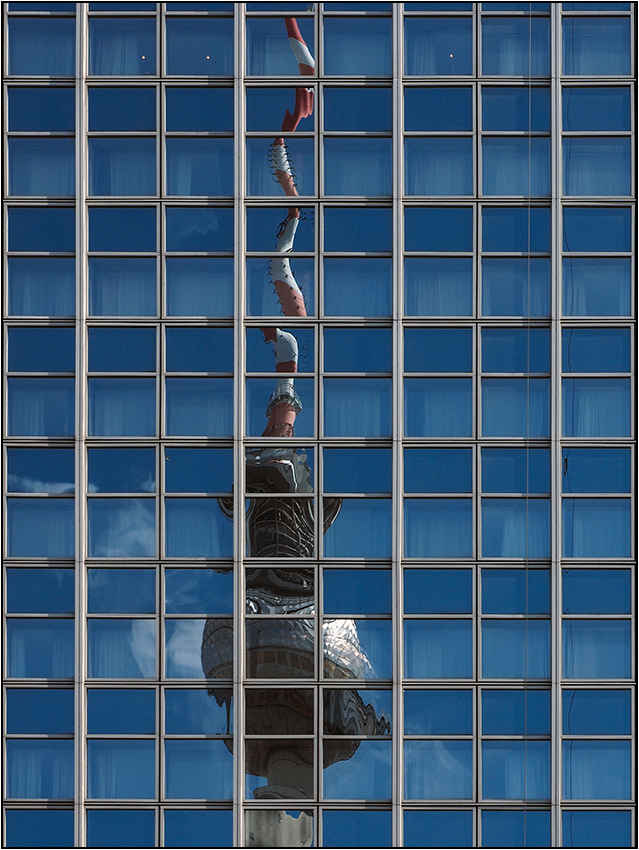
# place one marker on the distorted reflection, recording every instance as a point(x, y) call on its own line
point(281, 633)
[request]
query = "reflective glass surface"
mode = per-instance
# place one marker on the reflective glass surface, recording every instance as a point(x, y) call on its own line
point(120, 711)
point(121, 591)
point(40, 591)
point(438, 350)
point(121, 108)
point(516, 649)
point(596, 108)
point(596, 286)
point(121, 471)
point(201, 591)
point(597, 770)
point(596, 528)
point(122, 166)
point(596, 712)
point(48, 229)
point(596, 649)
point(516, 46)
point(122, 287)
point(199, 46)
point(597, 828)
point(122, 770)
point(515, 108)
point(205, 229)
point(515, 591)
point(41, 286)
point(39, 827)
point(596, 46)
point(436, 712)
point(198, 827)
point(39, 769)
point(515, 470)
point(199, 109)
point(438, 591)
point(437, 829)
point(356, 828)
point(121, 649)
point(515, 712)
point(438, 649)
point(122, 229)
point(39, 711)
point(512, 770)
point(438, 528)
point(438, 770)
point(597, 229)
point(357, 591)
point(40, 470)
point(438, 46)
point(435, 286)
point(357, 109)
point(126, 827)
point(515, 829)
point(122, 46)
point(516, 229)
point(596, 591)
point(366, 775)
point(357, 47)
point(42, 47)
point(41, 166)
point(438, 108)
point(40, 649)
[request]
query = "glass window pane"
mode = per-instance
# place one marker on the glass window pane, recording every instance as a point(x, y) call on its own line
point(199, 349)
point(122, 46)
point(121, 471)
point(49, 229)
point(41, 407)
point(39, 827)
point(357, 287)
point(122, 166)
point(198, 470)
point(435, 286)
point(357, 829)
point(198, 648)
point(268, 50)
point(121, 108)
point(437, 108)
point(366, 775)
point(515, 591)
point(40, 528)
point(120, 711)
point(357, 349)
point(191, 711)
point(438, 591)
point(199, 166)
point(596, 349)
point(597, 229)
point(39, 711)
point(41, 349)
point(41, 286)
point(199, 591)
point(515, 407)
point(438, 770)
point(438, 649)
point(438, 46)
point(357, 591)
point(596, 286)
point(438, 528)
point(40, 591)
point(512, 770)
point(516, 229)
point(596, 166)
point(124, 827)
point(199, 109)
point(122, 349)
point(438, 712)
point(515, 470)
point(121, 649)
point(197, 528)
point(199, 406)
point(515, 528)
point(42, 46)
point(356, 166)
point(438, 829)
point(266, 107)
point(516, 46)
point(122, 528)
point(439, 166)
point(515, 108)
point(372, 707)
point(122, 287)
point(596, 46)
point(44, 166)
point(438, 470)
point(438, 350)
point(199, 46)
point(515, 712)
point(122, 770)
point(512, 166)
point(595, 712)
point(198, 828)
point(597, 770)
point(201, 286)
point(597, 829)
point(515, 649)
point(357, 109)
point(359, 47)
point(121, 591)
point(593, 407)
point(596, 528)
point(596, 470)
point(438, 407)
point(596, 591)
point(596, 649)
point(514, 286)
point(122, 407)
point(355, 230)
point(357, 407)
point(122, 229)
point(438, 229)
point(198, 769)
point(359, 649)
point(204, 229)
point(39, 769)
point(40, 649)
point(515, 829)
point(40, 471)
point(268, 282)
point(596, 108)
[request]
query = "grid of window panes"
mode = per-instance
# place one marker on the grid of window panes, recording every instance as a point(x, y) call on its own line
point(460, 534)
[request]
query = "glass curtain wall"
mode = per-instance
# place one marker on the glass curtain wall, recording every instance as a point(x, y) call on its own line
point(319, 435)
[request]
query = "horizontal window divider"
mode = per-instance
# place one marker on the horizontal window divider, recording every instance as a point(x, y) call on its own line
point(38, 616)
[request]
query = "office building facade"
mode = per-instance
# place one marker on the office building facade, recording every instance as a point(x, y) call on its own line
point(319, 424)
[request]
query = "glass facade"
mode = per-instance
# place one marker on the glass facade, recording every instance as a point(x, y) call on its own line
point(320, 413)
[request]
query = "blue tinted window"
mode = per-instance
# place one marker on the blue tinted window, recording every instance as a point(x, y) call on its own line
point(515, 712)
point(357, 109)
point(199, 46)
point(596, 470)
point(596, 286)
point(40, 649)
point(596, 349)
point(515, 591)
point(512, 770)
point(122, 166)
point(596, 712)
point(596, 528)
point(40, 591)
point(515, 470)
point(357, 470)
point(122, 46)
point(40, 471)
point(121, 591)
point(42, 286)
point(515, 407)
point(516, 350)
point(39, 769)
point(366, 775)
point(122, 229)
point(357, 829)
point(199, 166)
point(515, 286)
point(597, 770)
point(357, 349)
point(121, 286)
point(596, 166)
point(41, 407)
point(200, 769)
point(121, 649)
point(438, 407)
point(121, 471)
point(357, 591)
point(515, 166)
point(199, 349)
point(41, 229)
point(438, 108)
point(438, 591)
point(197, 528)
point(266, 107)
point(596, 649)
point(41, 349)
point(40, 528)
point(42, 46)
point(357, 407)
point(516, 46)
point(516, 229)
point(198, 470)
point(596, 108)
point(199, 109)
point(438, 528)
point(596, 46)
point(39, 827)
point(194, 712)
point(198, 591)
point(200, 407)
point(438, 649)
point(597, 829)
point(515, 649)
point(357, 286)
point(122, 528)
point(439, 166)
point(120, 710)
point(595, 407)
point(199, 286)
point(39, 711)
point(122, 349)
point(439, 229)
point(438, 350)
point(515, 108)
point(361, 47)
point(122, 827)
point(515, 528)
point(198, 828)
point(596, 591)
point(438, 46)
point(366, 167)
point(436, 286)
point(201, 229)
point(428, 774)
point(121, 108)
point(438, 712)
point(268, 48)
point(39, 109)
point(355, 230)
point(43, 166)
point(432, 828)
point(515, 829)
point(597, 229)
point(438, 470)
point(346, 538)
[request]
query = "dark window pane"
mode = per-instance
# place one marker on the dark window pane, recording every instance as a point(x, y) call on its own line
point(199, 229)
point(40, 528)
point(596, 591)
point(438, 46)
point(373, 709)
point(122, 229)
point(432, 828)
point(202, 46)
point(200, 591)
point(40, 109)
point(596, 108)
point(41, 229)
point(516, 46)
point(121, 591)
point(42, 46)
point(39, 827)
point(266, 109)
point(596, 349)
point(515, 470)
point(439, 229)
point(361, 47)
point(438, 591)
point(357, 349)
point(438, 108)
point(357, 109)
point(121, 471)
point(295, 234)
point(357, 829)
point(41, 349)
point(438, 350)
point(597, 229)
point(597, 829)
point(121, 108)
point(596, 470)
point(195, 712)
point(120, 711)
point(198, 470)
point(40, 591)
point(596, 46)
point(268, 50)
point(122, 46)
point(357, 591)
point(122, 827)
point(438, 470)
point(515, 829)
point(515, 108)
point(357, 470)
point(41, 286)
point(516, 229)
point(199, 349)
point(39, 711)
point(40, 471)
point(199, 109)
point(198, 769)
point(279, 712)
point(122, 349)
point(438, 712)
point(515, 591)
point(356, 230)
point(595, 712)
point(515, 712)
point(197, 828)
